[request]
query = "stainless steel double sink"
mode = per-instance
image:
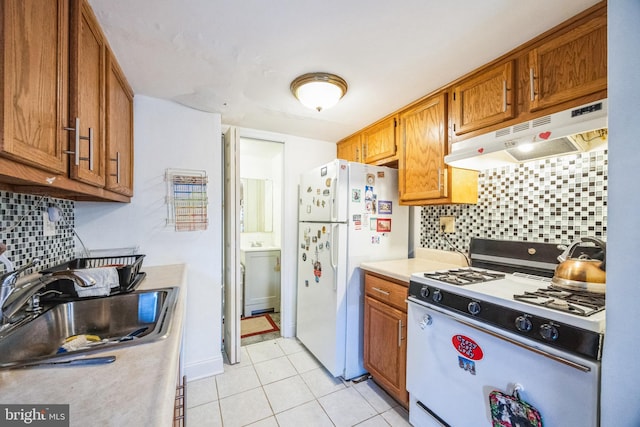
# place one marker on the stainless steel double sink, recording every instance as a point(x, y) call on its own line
point(146, 313)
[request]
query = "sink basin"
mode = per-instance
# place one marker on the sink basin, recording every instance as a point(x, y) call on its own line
point(110, 318)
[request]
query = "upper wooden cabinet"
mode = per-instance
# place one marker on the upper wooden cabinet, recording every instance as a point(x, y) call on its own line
point(34, 82)
point(569, 66)
point(423, 177)
point(53, 88)
point(86, 104)
point(484, 99)
point(350, 149)
point(421, 174)
point(379, 141)
point(119, 130)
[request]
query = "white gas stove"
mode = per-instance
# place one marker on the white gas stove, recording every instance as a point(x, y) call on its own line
point(476, 330)
point(506, 302)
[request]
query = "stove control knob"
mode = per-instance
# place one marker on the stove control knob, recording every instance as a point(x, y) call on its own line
point(424, 292)
point(523, 323)
point(549, 332)
point(474, 308)
point(437, 295)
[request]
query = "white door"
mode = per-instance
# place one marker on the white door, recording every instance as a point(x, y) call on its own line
point(232, 273)
point(321, 292)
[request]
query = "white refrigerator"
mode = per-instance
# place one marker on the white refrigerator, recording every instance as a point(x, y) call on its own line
point(348, 214)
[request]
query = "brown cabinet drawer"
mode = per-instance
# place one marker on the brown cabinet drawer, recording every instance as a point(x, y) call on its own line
point(394, 294)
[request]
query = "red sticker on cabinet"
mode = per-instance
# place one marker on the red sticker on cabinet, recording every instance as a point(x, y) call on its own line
point(467, 347)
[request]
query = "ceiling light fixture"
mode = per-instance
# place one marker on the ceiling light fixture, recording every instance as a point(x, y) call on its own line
point(319, 91)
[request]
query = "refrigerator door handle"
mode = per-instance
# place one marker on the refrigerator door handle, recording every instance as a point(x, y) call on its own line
point(334, 265)
point(332, 200)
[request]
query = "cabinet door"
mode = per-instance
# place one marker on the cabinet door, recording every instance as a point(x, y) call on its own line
point(350, 149)
point(421, 173)
point(262, 282)
point(379, 141)
point(119, 130)
point(569, 66)
point(34, 40)
point(385, 347)
point(484, 100)
point(87, 70)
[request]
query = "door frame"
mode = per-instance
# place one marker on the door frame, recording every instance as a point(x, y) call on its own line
point(231, 253)
point(232, 292)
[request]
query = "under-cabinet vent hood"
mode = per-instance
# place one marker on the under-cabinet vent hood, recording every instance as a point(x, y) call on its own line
point(575, 130)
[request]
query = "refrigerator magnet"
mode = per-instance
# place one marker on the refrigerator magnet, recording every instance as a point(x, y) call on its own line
point(383, 225)
point(357, 222)
point(368, 193)
point(371, 179)
point(373, 224)
point(385, 207)
point(356, 195)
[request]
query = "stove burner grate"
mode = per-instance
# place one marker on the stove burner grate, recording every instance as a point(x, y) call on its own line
point(575, 302)
point(464, 276)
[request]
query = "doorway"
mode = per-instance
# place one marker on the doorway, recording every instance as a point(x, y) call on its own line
point(261, 171)
point(253, 195)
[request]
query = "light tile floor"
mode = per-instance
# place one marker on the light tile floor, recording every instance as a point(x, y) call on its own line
point(278, 383)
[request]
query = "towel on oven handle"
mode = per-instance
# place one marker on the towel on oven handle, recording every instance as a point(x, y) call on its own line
point(510, 411)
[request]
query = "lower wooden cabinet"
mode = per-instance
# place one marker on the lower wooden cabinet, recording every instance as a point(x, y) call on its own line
point(385, 335)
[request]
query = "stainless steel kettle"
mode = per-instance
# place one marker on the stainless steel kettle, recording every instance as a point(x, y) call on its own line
point(584, 272)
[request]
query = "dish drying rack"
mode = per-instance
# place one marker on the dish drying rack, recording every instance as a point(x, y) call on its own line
point(187, 199)
point(128, 268)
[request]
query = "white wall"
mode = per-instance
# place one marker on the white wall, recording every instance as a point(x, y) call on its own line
point(620, 374)
point(300, 154)
point(168, 135)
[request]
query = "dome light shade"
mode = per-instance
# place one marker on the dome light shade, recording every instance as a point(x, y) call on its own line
point(319, 91)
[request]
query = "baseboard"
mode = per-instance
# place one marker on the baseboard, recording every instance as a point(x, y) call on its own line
point(205, 368)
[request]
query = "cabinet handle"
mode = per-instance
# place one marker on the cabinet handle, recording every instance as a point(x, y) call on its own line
point(357, 154)
point(117, 174)
point(400, 333)
point(90, 149)
point(381, 291)
point(504, 96)
point(76, 149)
point(531, 85)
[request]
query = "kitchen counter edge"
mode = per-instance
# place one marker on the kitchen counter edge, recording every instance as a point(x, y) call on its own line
point(402, 269)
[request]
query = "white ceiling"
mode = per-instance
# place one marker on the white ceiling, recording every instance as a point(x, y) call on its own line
point(238, 57)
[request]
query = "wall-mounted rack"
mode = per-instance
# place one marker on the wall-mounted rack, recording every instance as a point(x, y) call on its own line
point(187, 199)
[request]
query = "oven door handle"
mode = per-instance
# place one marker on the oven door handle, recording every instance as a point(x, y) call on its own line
point(514, 342)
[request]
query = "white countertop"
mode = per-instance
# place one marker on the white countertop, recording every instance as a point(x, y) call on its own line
point(426, 260)
point(138, 389)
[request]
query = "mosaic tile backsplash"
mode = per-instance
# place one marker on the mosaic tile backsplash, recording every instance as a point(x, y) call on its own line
point(553, 200)
point(21, 230)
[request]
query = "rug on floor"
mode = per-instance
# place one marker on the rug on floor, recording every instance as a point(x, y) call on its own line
point(256, 325)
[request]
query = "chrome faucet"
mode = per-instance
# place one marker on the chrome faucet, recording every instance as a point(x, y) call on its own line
point(13, 298)
point(8, 283)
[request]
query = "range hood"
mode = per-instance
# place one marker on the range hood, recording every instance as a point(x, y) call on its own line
point(575, 130)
